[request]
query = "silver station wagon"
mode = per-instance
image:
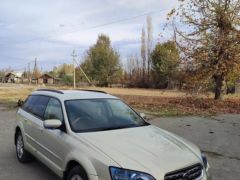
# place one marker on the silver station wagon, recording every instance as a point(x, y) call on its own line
point(91, 135)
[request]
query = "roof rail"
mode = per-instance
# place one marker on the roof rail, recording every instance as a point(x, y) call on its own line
point(51, 90)
point(92, 90)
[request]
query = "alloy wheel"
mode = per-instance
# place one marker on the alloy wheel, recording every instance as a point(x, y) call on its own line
point(20, 146)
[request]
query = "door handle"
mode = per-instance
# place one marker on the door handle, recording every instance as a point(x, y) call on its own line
point(40, 129)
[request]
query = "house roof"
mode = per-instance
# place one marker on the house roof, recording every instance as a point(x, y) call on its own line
point(46, 75)
point(16, 74)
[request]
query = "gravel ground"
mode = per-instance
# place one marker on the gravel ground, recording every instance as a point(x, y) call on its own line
point(218, 137)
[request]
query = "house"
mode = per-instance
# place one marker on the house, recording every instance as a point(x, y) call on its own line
point(13, 77)
point(47, 79)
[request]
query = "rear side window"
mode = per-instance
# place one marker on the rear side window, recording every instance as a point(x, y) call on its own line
point(36, 105)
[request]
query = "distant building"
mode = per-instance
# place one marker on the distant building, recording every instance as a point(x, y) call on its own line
point(48, 79)
point(237, 87)
point(1, 79)
point(13, 77)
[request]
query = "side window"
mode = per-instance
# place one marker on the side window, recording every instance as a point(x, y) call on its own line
point(29, 103)
point(53, 110)
point(40, 106)
point(36, 105)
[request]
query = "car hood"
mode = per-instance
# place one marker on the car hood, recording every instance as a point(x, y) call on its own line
point(147, 149)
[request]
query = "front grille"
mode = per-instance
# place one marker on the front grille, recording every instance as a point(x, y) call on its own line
point(190, 173)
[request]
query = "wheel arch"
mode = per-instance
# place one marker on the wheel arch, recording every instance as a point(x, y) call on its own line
point(70, 165)
point(17, 130)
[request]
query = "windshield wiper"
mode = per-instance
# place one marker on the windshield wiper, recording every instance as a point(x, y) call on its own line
point(117, 127)
point(113, 128)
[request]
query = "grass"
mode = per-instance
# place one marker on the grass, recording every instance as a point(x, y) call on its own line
point(150, 101)
point(10, 95)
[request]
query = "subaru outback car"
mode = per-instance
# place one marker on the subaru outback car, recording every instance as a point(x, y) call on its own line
point(91, 135)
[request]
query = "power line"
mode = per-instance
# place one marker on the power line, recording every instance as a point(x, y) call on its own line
point(84, 29)
point(100, 25)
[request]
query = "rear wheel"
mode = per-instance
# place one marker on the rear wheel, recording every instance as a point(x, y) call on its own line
point(22, 155)
point(77, 173)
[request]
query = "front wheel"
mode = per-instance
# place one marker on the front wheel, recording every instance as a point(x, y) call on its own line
point(22, 155)
point(77, 173)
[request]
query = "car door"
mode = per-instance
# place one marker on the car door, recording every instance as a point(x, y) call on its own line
point(53, 141)
point(35, 122)
point(25, 116)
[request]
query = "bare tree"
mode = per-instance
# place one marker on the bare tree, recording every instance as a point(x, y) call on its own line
point(143, 53)
point(36, 72)
point(133, 72)
point(149, 45)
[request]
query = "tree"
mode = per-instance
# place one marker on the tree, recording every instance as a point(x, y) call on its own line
point(165, 60)
point(149, 45)
point(63, 71)
point(36, 72)
point(102, 63)
point(133, 72)
point(143, 54)
point(208, 35)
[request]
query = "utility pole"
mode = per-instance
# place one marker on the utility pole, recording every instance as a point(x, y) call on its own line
point(79, 65)
point(28, 73)
point(35, 70)
point(74, 74)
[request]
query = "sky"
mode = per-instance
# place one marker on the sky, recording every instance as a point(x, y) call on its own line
point(51, 30)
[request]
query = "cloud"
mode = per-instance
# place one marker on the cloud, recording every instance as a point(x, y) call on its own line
point(50, 30)
point(144, 4)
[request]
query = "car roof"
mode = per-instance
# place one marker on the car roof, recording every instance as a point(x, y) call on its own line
point(74, 94)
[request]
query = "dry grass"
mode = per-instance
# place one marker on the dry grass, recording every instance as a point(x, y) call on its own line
point(9, 95)
point(150, 101)
point(143, 92)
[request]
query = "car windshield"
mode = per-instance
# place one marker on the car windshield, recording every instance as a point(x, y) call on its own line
point(101, 115)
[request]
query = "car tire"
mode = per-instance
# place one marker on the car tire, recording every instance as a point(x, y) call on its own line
point(77, 173)
point(22, 155)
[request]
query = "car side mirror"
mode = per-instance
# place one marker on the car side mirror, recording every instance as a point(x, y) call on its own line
point(52, 124)
point(143, 115)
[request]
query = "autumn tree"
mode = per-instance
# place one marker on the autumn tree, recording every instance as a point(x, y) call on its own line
point(63, 71)
point(165, 60)
point(207, 32)
point(102, 63)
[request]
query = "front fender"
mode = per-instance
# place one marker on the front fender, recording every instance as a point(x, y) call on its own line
point(94, 162)
point(82, 160)
point(19, 125)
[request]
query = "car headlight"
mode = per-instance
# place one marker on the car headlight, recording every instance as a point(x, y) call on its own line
point(123, 174)
point(205, 162)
